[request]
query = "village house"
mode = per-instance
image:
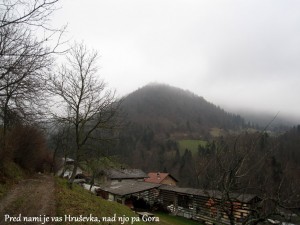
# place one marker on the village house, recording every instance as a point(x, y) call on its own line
point(111, 176)
point(133, 193)
point(205, 205)
point(136, 189)
point(161, 178)
point(66, 168)
point(196, 204)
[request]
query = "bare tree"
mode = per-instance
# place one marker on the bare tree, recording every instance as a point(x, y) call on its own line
point(22, 80)
point(87, 104)
point(25, 33)
point(27, 43)
point(242, 168)
point(31, 12)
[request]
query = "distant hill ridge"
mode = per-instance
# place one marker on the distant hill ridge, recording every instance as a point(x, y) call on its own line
point(170, 109)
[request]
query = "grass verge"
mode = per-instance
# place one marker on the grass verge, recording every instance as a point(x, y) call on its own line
point(10, 174)
point(176, 220)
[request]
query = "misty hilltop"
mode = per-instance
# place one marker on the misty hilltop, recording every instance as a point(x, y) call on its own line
point(174, 130)
point(168, 109)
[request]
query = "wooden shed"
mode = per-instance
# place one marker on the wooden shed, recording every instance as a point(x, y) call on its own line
point(205, 205)
point(128, 192)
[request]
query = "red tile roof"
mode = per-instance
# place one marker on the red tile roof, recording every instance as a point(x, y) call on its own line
point(157, 177)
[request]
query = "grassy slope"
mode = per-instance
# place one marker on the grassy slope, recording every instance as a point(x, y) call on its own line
point(191, 145)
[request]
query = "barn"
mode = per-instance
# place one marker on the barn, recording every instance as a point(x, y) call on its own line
point(206, 205)
point(135, 194)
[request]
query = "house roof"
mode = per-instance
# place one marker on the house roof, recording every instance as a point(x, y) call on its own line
point(209, 193)
point(126, 174)
point(128, 187)
point(68, 159)
point(158, 177)
point(190, 191)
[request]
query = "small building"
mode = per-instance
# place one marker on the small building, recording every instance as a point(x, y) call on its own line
point(111, 176)
point(131, 193)
point(66, 167)
point(206, 205)
point(161, 178)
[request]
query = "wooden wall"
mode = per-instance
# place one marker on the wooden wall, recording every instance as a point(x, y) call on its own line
point(169, 181)
point(202, 208)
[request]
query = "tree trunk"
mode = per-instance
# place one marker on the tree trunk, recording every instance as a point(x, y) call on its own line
point(72, 178)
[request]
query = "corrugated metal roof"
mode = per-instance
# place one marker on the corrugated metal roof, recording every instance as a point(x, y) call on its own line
point(126, 174)
point(208, 193)
point(127, 187)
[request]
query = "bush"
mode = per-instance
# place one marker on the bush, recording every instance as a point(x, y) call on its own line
point(27, 145)
point(9, 174)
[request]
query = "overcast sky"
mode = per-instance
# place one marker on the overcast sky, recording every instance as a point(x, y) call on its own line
point(234, 53)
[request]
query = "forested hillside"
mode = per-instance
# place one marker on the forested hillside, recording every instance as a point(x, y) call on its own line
point(165, 126)
point(169, 129)
point(167, 109)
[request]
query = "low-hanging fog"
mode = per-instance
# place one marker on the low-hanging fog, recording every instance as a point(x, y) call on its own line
point(241, 55)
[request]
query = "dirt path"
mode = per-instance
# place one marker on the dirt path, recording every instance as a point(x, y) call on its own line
point(31, 198)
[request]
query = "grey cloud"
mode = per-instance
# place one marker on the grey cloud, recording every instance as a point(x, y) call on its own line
point(237, 53)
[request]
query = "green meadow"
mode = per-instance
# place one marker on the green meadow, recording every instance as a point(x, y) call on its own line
point(191, 145)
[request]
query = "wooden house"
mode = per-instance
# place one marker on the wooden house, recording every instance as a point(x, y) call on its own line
point(130, 192)
point(206, 205)
point(161, 178)
point(111, 176)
